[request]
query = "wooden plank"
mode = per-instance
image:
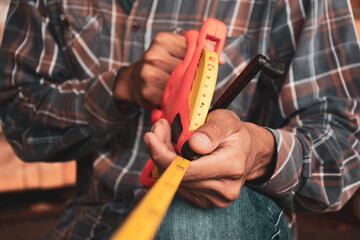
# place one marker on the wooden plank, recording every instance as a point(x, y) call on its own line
point(4, 7)
point(16, 175)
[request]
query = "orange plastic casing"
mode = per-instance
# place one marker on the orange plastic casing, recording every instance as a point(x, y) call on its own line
point(175, 101)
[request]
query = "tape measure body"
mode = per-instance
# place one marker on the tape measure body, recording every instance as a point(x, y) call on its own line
point(181, 92)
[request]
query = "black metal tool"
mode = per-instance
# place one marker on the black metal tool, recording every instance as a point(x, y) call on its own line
point(272, 68)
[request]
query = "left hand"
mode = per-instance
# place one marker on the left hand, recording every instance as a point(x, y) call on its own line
point(142, 83)
point(234, 151)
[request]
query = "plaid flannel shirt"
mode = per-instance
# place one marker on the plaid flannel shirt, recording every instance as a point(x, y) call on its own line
point(58, 64)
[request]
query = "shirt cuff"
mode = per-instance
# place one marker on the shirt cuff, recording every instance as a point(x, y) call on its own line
point(288, 165)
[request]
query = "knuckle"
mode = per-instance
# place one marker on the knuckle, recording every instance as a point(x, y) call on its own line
point(227, 118)
point(232, 115)
point(227, 113)
point(162, 121)
point(151, 95)
point(161, 37)
point(153, 57)
point(154, 155)
point(233, 194)
point(147, 74)
point(222, 204)
point(143, 73)
point(232, 120)
point(148, 55)
point(146, 93)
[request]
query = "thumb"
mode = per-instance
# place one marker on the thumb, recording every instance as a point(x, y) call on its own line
point(219, 125)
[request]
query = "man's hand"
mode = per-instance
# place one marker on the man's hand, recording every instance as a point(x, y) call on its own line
point(142, 83)
point(234, 151)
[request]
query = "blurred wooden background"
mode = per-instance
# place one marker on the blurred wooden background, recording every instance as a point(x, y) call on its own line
point(16, 175)
point(4, 6)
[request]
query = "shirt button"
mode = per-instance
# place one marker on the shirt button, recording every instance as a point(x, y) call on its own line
point(135, 27)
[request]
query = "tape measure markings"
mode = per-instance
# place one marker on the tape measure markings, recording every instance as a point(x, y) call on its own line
point(203, 88)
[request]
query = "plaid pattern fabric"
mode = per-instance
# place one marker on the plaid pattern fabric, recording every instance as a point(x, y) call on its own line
point(56, 95)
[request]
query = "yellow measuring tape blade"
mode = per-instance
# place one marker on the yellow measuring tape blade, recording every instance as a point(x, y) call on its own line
point(145, 219)
point(203, 88)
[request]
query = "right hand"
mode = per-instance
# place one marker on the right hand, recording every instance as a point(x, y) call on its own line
point(233, 152)
point(142, 83)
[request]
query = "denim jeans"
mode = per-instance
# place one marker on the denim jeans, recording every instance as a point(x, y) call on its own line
point(251, 216)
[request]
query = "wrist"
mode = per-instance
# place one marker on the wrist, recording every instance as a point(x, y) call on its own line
point(264, 153)
point(122, 91)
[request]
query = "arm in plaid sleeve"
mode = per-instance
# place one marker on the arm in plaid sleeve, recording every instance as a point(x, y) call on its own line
point(45, 114)
point(318, 163)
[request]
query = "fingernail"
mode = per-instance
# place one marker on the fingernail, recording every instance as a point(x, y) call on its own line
point(202, 139)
